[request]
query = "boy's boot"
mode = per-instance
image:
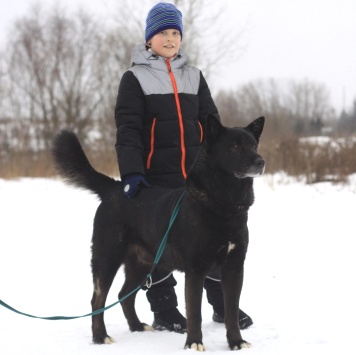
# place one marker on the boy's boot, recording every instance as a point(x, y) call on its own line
point(171, 320)
point(163, 300)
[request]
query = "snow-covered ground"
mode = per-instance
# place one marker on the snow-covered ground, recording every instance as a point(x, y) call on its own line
point(299, 276)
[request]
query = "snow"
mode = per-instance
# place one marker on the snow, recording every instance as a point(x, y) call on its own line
point(299, 276)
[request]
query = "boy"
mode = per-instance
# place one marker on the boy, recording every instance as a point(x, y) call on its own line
point(161, 109)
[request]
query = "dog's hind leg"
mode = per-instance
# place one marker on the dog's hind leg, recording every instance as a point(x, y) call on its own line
point(134, 277)
point(104, 268)
point(100, 335)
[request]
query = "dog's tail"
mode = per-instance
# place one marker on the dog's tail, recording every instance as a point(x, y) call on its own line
point(72, 163)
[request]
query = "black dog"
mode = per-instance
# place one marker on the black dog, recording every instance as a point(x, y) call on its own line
point(210, 229)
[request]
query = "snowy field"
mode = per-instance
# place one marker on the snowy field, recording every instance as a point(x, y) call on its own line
point(299, 276)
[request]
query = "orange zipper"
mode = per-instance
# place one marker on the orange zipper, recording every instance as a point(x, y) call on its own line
point(152, 144)
point(180, 117)
point(201, 131)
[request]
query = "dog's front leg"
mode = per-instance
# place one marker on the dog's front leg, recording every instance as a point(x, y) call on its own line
point(231, 281)
point(193, 298)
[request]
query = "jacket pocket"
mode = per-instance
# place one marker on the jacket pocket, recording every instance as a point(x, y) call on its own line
point(152, 144)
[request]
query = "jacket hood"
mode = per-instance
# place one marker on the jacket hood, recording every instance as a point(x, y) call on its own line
point(141, 56)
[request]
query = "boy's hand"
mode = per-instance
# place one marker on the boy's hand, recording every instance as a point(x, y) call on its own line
point(133, 184)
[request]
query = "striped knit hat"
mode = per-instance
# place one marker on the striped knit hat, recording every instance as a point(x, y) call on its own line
point(163, 16)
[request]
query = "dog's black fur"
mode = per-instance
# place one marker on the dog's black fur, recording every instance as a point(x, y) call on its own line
point(211, 227)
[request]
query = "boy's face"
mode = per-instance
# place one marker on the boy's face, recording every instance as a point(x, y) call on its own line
point(166, 43)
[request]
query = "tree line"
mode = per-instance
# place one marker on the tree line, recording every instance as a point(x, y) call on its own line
point(62, 70)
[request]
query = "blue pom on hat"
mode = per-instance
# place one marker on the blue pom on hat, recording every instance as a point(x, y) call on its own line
point(163, 16)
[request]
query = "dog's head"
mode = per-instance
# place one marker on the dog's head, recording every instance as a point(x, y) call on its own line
point(234, 150)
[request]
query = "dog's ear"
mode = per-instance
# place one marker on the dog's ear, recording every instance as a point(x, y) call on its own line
point(256, 127)
point(213, 129)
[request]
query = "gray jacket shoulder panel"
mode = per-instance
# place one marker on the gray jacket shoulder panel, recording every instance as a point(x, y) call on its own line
point(152, 73)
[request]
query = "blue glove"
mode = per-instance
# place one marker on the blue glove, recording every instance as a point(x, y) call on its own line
point(133, 184)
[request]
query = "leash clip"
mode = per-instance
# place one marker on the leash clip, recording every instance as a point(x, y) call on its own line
point(149, 281)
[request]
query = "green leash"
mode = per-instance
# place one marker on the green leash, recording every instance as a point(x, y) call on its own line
point(146, 283)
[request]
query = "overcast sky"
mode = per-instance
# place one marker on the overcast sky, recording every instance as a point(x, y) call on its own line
point(285, 39)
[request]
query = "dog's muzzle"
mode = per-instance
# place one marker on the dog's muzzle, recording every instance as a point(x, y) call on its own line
point(256, 169)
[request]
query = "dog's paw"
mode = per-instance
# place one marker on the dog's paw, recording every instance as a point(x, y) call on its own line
point(109, 340)
point(195, 346)
point(147, 328)
point(140, 327)
point(238, 345)
point(104, 340)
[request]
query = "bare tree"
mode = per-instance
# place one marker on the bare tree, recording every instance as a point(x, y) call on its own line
point(347, 120)
point(254, 99)
point(57, 66)
point(204, 40)
point(290, 107)
point(309, 102)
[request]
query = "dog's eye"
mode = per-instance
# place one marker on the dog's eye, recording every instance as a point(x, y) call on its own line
point(235, 146)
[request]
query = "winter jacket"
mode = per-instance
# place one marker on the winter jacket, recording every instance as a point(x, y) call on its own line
point(160, 113)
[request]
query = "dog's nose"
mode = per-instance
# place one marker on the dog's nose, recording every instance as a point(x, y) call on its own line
point(260, 163)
